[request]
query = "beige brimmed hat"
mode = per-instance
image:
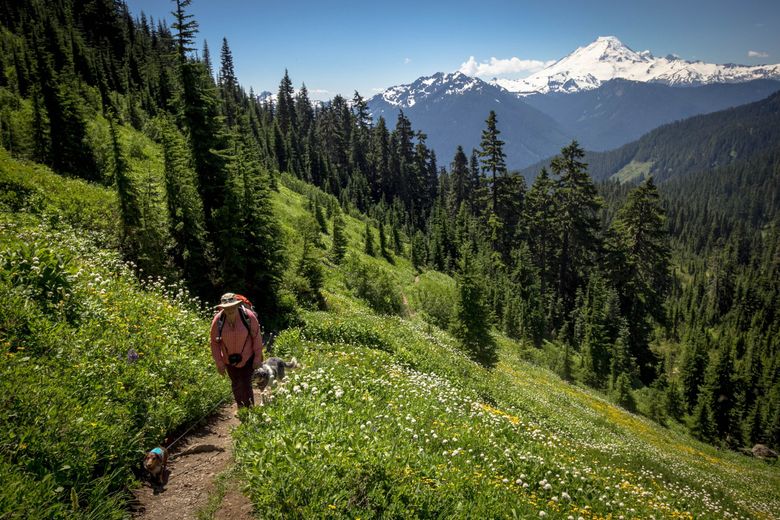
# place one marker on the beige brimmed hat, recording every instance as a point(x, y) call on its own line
point(228, 300)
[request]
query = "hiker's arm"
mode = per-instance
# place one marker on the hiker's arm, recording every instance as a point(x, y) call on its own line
point(257, 341)
point(216, 352)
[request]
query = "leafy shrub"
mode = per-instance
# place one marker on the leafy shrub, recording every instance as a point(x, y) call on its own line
point(373, 284)
point(327, 328)
point(45, 273)
point(433, 296)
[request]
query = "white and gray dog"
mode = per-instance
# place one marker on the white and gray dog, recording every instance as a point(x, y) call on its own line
point(271, 370)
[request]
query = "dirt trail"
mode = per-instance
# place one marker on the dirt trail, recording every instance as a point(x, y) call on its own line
point(195, 463)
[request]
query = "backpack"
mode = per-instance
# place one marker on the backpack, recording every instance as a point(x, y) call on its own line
point(244, 307)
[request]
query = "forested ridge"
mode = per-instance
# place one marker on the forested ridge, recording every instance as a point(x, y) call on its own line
point(663, 295)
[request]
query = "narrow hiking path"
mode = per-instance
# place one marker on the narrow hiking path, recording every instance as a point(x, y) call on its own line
point(196, 462)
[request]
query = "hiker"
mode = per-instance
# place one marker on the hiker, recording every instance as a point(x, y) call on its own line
point(237, 345)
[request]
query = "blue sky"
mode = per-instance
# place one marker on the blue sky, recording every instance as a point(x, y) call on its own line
point(340, 47)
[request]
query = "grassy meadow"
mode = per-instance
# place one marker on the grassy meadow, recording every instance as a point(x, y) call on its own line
point(387, 418)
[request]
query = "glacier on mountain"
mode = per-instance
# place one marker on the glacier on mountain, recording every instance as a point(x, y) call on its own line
point(608, 58)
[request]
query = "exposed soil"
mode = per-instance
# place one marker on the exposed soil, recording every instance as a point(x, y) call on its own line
point(195, 462)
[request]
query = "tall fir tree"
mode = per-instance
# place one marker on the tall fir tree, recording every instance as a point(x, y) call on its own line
point(191, 250)
point(471, 315)
point(340, 240)
point(368, 244)
point(576, 202)
point(641, 269)
point(492, 156)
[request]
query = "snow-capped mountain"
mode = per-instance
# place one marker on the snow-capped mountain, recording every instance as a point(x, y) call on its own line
point(608, 58)
point(452, 108)
point(406, 96)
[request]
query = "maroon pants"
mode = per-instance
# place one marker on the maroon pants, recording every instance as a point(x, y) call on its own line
point(241, 381)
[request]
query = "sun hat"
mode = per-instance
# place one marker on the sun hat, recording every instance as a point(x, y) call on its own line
point(228, 300)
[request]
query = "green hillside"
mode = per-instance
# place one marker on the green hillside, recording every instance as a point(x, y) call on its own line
point(388, 417)
point(426, 296)
point(97, 364)
point(693, 145)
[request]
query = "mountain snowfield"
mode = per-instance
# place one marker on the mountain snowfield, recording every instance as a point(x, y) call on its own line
point(406, 96)
point(587, 68)
point(608, 58)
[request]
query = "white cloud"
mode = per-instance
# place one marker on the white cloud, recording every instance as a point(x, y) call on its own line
point(757, 54)
point(407, 61)
point(502, 67)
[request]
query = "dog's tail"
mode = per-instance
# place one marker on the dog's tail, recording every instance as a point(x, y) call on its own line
point(293, 363)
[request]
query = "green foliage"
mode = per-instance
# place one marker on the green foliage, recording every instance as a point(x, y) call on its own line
point(43, 274)
point(368, 244)
point(78, 412)
point(471, 316)
point(320, 216)
point(621, 392)
point(359, 432)
point(418, 250)
point(702, 421)
point(432, 295)
point(373, 284)
point(309, 269)
point(340, 241)
point(35, 189)
point(673, 402)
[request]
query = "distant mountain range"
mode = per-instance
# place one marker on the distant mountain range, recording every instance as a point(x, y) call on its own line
point(604, 95)
point(697, 144)
point(607, 58)
point(452, 108)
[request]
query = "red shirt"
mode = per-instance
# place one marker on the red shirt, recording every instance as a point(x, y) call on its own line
point(236, 340)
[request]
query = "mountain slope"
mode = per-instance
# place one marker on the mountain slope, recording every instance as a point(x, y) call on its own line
point(608, 58)
point(695, 144)
point(389, 418)
point(452, 108)
point(620, 111)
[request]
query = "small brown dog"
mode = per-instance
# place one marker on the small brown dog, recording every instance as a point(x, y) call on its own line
point(155, 462)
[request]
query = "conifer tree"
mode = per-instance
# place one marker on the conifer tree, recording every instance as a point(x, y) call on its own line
point(251, 249)
point(309, 267)
point(383, 241)
point(304, 113)
point(186, 28)
point(622, 392)
point(228, 85)
point(492, 156)
point(198, 112)
point(576, 203)
point(129, 206)
point(538, 228)
point(478, 190)
point(191, 250)
point(674, 404)
point(340, 242)
point(702, 422)
point(471, 315)
point(719, 390)
point(642, 270)
point(207, 59)
point(398, 247)
point(368, 247)
point(285, 109)
point(460, 188)
point(693, 368)
point(418, 251)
